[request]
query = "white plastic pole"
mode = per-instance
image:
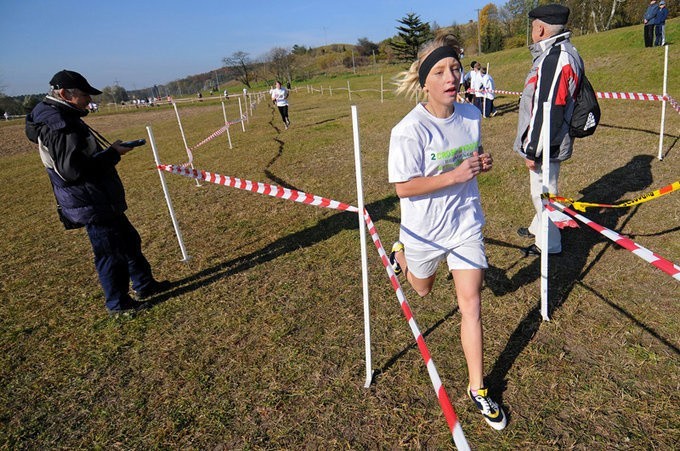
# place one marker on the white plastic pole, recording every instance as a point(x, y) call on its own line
point(240, 110)
point(382, 97)
point(364, 257)
point(175, 224)
point(484, 105)
point(184, 138)
point(663, 103)
point(226, 124)
point(545, 137)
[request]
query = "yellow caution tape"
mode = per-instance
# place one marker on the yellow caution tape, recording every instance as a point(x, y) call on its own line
point(581, 206)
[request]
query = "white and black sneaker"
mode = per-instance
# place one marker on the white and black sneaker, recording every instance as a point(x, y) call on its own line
point(493, 413)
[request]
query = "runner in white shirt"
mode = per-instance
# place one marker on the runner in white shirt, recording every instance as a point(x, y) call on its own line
point(280, 98)
point(435, 156)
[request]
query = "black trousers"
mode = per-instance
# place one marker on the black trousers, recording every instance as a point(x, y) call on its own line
point(649, 35)
point(284, 113)
point(119, 259)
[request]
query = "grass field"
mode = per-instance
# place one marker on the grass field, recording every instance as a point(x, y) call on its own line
point(259, 344)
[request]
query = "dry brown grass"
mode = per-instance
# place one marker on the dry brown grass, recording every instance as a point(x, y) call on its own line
point(259, 345)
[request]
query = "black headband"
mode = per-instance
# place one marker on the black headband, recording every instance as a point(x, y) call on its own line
point(433, 58)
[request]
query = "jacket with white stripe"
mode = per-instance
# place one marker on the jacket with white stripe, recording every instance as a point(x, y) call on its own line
point(554, 77)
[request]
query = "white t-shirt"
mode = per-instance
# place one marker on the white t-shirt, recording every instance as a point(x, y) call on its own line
point(476, 82)
point(281, 96)
point(489, 87)
point(423, 145)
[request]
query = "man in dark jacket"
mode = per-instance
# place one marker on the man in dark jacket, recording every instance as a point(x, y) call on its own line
point(81, 165)
point(649, 20)
point(660, 24)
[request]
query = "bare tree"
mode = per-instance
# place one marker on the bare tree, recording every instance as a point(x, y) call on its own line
point(281, 61)
point(242, 67)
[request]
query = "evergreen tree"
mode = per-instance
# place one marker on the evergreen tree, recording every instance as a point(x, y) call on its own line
point(412, 34)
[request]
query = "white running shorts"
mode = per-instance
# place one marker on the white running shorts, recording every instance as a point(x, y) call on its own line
point(469, 255)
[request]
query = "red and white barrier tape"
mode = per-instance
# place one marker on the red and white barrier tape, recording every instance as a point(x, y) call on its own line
point(628, 96)
point(443, 398)
point(257, 187)
point(238, 121)
point(214, 135)
point(558, 218)
point(602, 95)
point(495, 91)
point(309, 199)
point(650, 257)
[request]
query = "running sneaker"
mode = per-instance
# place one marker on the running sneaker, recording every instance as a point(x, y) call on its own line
point(398, 246)
point(493, 413)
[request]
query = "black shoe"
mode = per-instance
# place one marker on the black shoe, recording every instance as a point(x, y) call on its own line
point(130, 312)
point(531, 250)
point(534, 250)
point(524, 233)
point(153, 289)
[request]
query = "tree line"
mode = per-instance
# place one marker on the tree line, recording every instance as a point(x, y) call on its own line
point(496, 28)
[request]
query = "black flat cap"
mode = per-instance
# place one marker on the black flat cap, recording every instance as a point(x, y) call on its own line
point(67, 79)
point(552, 14)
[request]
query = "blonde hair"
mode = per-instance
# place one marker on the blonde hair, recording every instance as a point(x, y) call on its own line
point(408, 82)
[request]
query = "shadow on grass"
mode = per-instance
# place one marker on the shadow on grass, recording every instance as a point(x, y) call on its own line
point(323, 230)
point(675, 138)
point(505, 108)
point(413, 345)
point(573, 265)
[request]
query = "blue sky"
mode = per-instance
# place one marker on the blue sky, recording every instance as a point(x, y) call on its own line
point(138, 43)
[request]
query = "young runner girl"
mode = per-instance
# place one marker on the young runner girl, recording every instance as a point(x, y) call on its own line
point(434, 158)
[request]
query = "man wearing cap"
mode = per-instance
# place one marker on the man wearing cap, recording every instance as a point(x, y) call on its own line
point(81, 165)
point(554, 77)
point(660, 24)
point(649, 20)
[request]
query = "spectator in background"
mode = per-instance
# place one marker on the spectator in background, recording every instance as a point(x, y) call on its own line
point(467, 83)
point(476, 85)
point(81, 165)
point(6, 116)
point(649, 20)
point(488, 88)
point(557, 68)
point(280, 99)
point(660, 24)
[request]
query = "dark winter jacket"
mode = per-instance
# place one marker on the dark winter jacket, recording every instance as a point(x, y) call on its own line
point(661, 15)
point(83, 172)
point(650, 14)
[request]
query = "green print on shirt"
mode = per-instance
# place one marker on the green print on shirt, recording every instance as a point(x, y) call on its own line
point(454, 157)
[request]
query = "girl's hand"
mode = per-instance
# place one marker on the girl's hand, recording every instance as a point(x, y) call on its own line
point(468, 169)
point(487, 162)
